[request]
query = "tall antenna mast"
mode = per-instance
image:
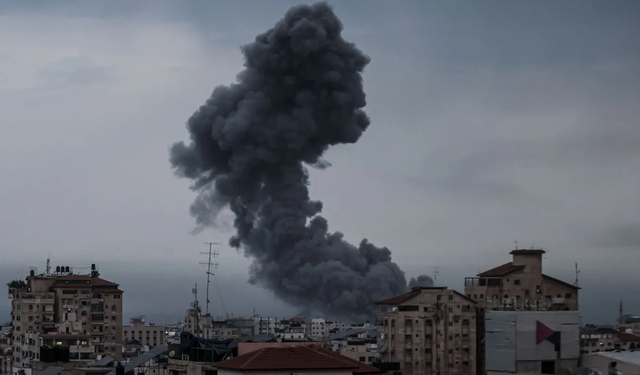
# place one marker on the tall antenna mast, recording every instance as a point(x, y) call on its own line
point(577, 272)
point(48, 264)
point(212, 261)
point(435, 274)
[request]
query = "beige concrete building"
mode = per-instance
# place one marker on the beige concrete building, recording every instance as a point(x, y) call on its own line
point(521, 285)
point(429, 331)
point(605, 339)
point(65, 308)
point(361, 350)
point(629, 323)
point(146, 334)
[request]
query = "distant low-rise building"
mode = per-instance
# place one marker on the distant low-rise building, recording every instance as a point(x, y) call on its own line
point(150, 335)
point(606, 339)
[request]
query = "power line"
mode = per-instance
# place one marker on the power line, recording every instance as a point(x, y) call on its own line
point(212, 261)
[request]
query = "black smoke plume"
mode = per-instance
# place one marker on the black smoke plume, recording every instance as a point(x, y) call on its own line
point(300, 92)
point(422, 281)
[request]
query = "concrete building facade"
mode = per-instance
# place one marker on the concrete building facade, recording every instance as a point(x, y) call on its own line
point(146, 334)
point(537, 342)
point(520, 285)
point(607, 339)
point(63, 308)
point(429, 331)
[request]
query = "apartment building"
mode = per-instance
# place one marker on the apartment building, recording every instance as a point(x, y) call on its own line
point(629, 324)
point(361, 350)
point(521, 285)
point(83, 312)
point(146, 334)
point(429, 331)
point(606, 339)
point(317, 328)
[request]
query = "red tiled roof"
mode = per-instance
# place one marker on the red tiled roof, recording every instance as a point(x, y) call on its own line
point(626, 337)
point(399, 299)
point(560, 281)
point(501, 270)
point(95, 281)
point(295, 358)
point(363, 368)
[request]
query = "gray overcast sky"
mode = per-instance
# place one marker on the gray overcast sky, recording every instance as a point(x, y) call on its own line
point(492, 121)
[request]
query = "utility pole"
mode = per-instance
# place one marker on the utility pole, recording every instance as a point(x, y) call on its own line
point(212, 261)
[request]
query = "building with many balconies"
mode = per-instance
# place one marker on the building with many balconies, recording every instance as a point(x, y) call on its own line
point(429, 331)
point(81, 312)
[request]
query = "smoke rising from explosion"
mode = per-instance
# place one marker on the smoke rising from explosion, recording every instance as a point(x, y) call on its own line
point(300, 92)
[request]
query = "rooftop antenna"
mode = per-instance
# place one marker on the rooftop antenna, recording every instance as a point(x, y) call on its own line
point(516, 245)
point(577, 272)
point(194, 304)
point(212, 261)
point(435, 274)
point(48, 272)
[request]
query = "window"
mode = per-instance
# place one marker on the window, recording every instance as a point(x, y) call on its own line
point(559, 296)
point(526, 292)
point(450, 297)
point(516, 282)
point(568, 295)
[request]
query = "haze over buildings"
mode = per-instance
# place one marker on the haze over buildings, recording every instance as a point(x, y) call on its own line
point(486, 127)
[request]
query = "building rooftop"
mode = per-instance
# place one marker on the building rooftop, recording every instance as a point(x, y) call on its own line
point(295, 358)
point(632, 358)
point(94, 281)
point(501, 270)
point(527, 252)
point(416, 291)
point(400, 299)
point(628, 337)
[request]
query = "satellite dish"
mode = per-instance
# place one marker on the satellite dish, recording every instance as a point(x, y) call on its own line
point(172, 354)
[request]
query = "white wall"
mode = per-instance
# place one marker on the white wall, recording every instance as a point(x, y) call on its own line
point(625, 361)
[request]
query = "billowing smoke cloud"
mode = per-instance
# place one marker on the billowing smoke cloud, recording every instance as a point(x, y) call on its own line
point(300, 92)
point(421, 281)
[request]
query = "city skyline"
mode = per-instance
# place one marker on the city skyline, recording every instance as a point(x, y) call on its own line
point(598, 305)
point(490, 124)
